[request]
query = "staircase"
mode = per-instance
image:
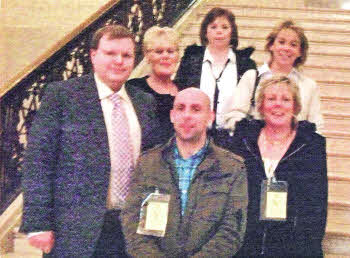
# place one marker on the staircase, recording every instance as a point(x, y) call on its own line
point(328, 31)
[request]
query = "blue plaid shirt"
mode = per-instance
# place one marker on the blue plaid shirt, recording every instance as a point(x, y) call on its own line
point(186, 169)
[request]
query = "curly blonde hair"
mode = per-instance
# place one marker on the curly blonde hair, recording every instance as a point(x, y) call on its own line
point(153, 34)
point(280, 80)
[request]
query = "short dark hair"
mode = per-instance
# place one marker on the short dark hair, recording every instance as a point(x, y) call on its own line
point(113, 32)
point(304, 44)
point(211, 16)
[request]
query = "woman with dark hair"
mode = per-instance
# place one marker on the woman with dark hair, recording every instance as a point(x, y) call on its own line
point(161, 50)
point(287, 176)
point(288, 47)
point(217, 65)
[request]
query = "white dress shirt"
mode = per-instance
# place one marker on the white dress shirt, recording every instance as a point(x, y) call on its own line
point(104, 92)
point(226, 84)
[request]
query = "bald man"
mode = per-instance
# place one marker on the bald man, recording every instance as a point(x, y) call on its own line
point(187, 197)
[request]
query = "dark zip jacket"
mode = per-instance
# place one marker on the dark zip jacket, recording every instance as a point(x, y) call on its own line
point(304, 167)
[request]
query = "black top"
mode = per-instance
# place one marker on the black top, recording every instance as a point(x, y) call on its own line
point(304, 167)
point(164, 105)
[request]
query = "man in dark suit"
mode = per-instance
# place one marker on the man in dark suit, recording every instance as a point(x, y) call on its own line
point(70, 208)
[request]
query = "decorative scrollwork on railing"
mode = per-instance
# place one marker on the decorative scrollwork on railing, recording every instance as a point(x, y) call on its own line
point(135, 20)
point(158, 9)
point(19, 105)
point(78, 62)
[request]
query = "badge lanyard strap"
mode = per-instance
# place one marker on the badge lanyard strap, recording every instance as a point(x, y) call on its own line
point(216, 94)
point(270, 171)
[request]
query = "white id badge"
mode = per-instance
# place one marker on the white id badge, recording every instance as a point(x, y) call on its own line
point(154, 215)
point(273, 204)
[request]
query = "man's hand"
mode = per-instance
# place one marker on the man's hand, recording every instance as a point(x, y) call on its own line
point(44, 241)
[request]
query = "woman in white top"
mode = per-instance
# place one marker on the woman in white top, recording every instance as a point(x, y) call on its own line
point(217, 65)
point(288, 46)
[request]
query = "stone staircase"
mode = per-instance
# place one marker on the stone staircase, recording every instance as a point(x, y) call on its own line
point(328, 62)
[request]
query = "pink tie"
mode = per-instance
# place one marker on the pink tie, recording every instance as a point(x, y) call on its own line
point(122, 153)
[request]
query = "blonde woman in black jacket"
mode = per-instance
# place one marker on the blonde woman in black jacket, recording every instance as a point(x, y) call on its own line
point(287, 176)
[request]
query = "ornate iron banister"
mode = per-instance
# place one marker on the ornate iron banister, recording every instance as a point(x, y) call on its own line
point(19, 105)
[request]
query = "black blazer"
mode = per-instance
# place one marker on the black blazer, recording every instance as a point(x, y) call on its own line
point(66, 167)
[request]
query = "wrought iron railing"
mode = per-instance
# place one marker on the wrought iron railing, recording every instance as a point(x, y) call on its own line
point(19, 105)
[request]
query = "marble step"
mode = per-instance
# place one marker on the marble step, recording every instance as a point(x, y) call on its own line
point(337, 171)
point(338, 142)
point(338, 166)
point(335, 75)
point(331, 103)
point(335, 122)
point(270, 22)
point(338, 222)
point(337, 239)
point(338, 193)
point(263, 32)
point(315, 14)
point(330, 255)
point(335, 246)
point(334, 89)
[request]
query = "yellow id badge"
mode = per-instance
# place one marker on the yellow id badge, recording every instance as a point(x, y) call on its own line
point(154, 215)
point(273, 204)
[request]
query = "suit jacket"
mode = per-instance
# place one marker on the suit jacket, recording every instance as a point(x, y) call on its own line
point(66, 168)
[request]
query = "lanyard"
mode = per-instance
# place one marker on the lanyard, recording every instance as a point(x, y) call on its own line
point(270, 166)
point(216, 94)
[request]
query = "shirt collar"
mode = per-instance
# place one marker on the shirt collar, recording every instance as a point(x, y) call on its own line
point(105, 92)
point(198, 155)
point(265, 70)
point(208, 57)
